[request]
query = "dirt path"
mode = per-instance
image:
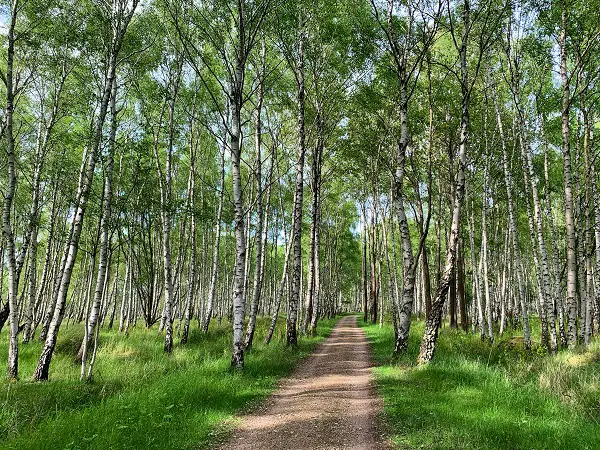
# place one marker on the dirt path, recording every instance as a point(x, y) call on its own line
point(328, 402)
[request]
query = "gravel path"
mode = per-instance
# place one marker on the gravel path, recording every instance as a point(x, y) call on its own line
point(328, 402)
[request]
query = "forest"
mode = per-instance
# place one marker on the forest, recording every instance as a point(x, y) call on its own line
point(201, 199)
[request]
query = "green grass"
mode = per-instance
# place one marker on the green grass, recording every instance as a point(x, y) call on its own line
point(477, 396)
point(140, 397)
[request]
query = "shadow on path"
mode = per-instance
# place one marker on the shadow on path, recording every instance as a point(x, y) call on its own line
point(327, 403)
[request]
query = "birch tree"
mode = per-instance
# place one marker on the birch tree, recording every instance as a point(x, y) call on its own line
point(408, 46)
point(119, 15)
point(488, 18)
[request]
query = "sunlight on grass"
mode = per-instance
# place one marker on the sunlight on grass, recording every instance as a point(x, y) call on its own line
point(476, 396)
point(140, 397)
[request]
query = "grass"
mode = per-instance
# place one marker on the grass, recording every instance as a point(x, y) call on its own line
point(480, 396)
point(140, 397)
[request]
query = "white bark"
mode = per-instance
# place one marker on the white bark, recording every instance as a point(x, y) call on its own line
point(83, 192)
point(291, 324)
point(104, 237)
point(512, 224)
point(7, 229)
point(258, 263)
point(571, 301)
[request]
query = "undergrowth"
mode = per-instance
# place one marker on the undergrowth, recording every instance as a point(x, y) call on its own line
point(477, 395)
point(141, 397)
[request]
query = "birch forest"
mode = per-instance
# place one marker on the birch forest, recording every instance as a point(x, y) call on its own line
point(193, 193)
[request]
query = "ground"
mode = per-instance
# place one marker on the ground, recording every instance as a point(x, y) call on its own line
point(141, 398)
point(474, 395)
point(329, 402)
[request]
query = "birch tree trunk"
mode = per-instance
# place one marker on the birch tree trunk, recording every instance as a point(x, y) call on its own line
point(215, 259)
point(258, 262)
point(596, 197)
point(365, 277)
point(460, 286)
point(558, 290)
point(312, 290)
point(265, 231)
point(408, 261)
point(512, 225)
point(433, 322)
point(43, 136)
point(547, 316)
point(373, 237)
point(291, 323)
point(279, 293)
point(104, 236)
point(189, 301)
point(316, 309)
point(317, 166)
point(83, 192)
point(236, 86)
point(165, 177)
point(12, 371)
point(571, 301)
point(38, 312)
point(484, 256)
point(402, 48)
point(476, 269)
point(589, 240)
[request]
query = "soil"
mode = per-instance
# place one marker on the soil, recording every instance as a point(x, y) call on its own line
point(329, 401)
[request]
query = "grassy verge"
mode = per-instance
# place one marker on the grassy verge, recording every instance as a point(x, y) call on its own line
point(140, 397)
point(476, 396)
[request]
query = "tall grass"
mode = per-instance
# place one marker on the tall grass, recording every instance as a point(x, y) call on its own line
point(480, 396)
point(140, 397)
